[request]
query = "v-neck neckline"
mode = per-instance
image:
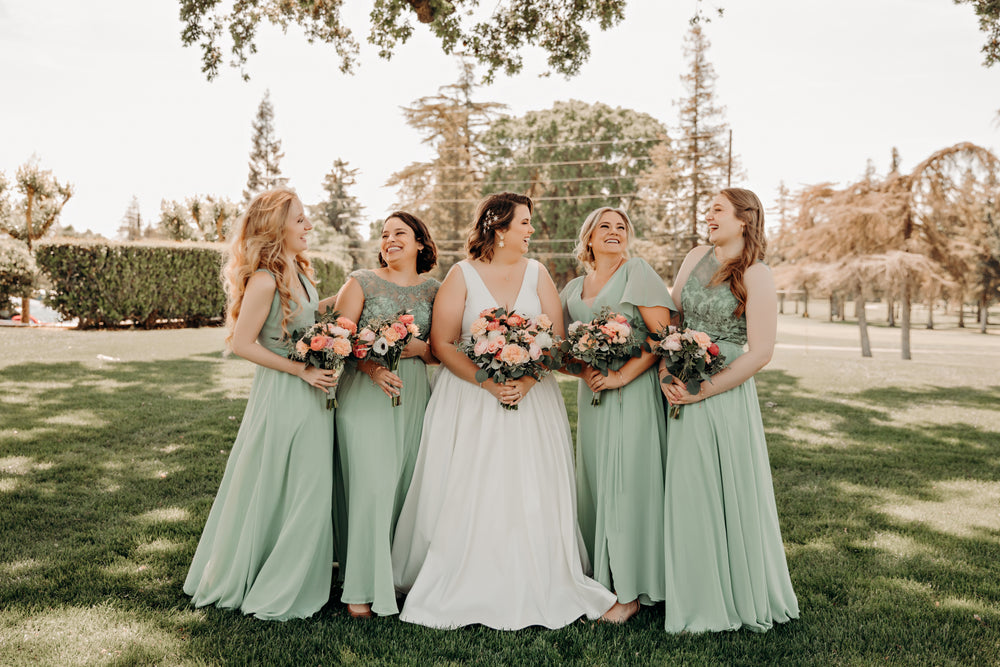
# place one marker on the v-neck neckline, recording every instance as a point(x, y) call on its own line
point(486, 287)
point(603, 287)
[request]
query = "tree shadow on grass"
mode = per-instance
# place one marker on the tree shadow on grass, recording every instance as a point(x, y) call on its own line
point(107, 475)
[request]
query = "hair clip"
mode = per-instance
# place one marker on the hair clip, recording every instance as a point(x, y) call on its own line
point(490, 219)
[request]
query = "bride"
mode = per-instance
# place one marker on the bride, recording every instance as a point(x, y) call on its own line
point(488, 531)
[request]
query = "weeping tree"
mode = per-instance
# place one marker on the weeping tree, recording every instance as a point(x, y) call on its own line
point(953, 201)
point(29, 217)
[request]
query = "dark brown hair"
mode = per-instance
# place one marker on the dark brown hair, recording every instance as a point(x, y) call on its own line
point(748, 210)
point(493, 214)
point(427, 257)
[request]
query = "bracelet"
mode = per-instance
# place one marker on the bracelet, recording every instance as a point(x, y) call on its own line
point(620, 379)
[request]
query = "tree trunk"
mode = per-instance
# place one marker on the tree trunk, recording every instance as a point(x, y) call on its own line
point(781, 301)
point(930, 314)
point(859, 312)
point(805, 302)
point(904, 328)
point(961, 313)
point(26, 310)
point(984, 314)
point(833, 306)
point(890, 312)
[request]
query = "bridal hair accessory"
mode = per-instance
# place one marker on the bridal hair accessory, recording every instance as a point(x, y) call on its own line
point(490, 219)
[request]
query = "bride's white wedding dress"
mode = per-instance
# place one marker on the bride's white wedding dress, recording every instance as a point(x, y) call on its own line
point(488, 531)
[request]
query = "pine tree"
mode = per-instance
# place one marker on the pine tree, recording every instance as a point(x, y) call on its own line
point(703, 150)
point(131, 225)
point(339, 211)
point(444, 190)
point(265, 152)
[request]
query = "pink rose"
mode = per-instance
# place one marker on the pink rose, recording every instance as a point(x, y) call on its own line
point(494, 345)
point(367, 336)
point(713, 350)
point(493, 326)
point(482, 347)
point(534, 352)
point(400, 328)
point(406, 318)
point(360, 351)
point(515, 320)
point(621, 319)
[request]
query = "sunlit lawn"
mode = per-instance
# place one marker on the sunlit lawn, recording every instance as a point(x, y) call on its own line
point(887, 477)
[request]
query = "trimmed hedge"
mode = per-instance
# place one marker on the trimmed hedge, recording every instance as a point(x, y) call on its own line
point(108, 284)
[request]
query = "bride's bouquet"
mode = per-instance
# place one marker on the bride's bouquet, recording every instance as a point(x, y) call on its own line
point(383, 341)
point(690, 357)
point(509, 346)
point(326, 344)
point(606, 342)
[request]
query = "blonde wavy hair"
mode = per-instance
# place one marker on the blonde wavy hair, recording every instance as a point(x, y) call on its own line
point(584, 253)
point(258, 242)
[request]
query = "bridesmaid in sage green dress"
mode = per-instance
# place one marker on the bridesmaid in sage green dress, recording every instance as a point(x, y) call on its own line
point(725, 561)
point(620, 443)
point(267, 547)
point(378, 442)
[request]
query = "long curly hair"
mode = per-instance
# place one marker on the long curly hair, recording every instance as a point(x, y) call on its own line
point(258, 242)
point(750, 211)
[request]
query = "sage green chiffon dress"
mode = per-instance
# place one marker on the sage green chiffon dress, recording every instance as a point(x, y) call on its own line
point(377, 447)
point(620, 447)
point(267, 547)
point(725, 561)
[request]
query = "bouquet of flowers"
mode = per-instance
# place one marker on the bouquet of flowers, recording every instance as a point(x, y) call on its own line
point(691, 357)
point(383, 341)
point(326, 345)
point(508, 346)
point(606, 342)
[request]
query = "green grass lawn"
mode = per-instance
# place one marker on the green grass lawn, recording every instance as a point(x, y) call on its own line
point(886, 473)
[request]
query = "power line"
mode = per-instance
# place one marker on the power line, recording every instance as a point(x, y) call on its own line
point(553, 144)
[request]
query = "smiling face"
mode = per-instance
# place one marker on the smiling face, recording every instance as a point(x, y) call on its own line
point(723, 225)
point(519, 233)
point(297, 226)
point(399, 243)
point(610, 235)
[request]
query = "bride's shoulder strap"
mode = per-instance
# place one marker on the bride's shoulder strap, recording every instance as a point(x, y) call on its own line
point(531, 273)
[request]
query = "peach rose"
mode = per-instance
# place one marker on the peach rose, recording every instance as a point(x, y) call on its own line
point(406, 318)
point(513, 355)
point(391, 335)
point(347, 324)
point(367, 336)
point(413, 329)
point(478, 327)
point(543, 321)
point(301, 348)
point(400, 328)
point(515, 320)
point(702, 339)
point(318, 343)
point(341, 347)
point(482, 347)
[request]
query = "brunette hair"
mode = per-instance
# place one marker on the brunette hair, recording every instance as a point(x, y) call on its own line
point(750, 211)
point(583, 251)
point(258, 242)
point(427, 257)
point(493, 214)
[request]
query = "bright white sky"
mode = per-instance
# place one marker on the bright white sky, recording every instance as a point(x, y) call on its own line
point(104, 93)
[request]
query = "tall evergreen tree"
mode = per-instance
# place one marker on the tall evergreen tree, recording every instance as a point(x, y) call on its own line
point(339, 210)
point(703, 150)
point(444, 190)
point(265, 152)
point(130, 228)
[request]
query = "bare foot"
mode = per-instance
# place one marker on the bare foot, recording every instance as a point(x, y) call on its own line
point(359, 610)
point(620, 613)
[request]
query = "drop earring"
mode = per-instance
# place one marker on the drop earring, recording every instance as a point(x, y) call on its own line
point(500, 244)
